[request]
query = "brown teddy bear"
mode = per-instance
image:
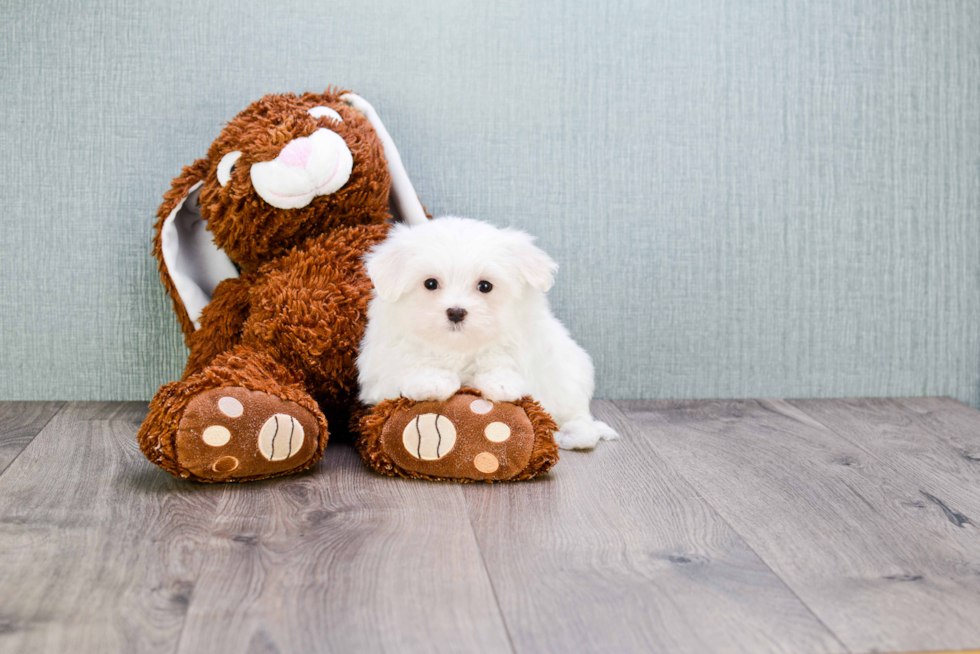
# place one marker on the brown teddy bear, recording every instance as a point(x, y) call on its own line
point(259, 246)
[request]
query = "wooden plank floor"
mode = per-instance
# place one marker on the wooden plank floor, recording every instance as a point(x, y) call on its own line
point(712, 526)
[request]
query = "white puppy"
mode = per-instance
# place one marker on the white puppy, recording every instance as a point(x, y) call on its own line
point(460, 302)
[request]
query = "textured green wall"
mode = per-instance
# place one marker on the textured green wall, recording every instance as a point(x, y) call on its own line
point(767, 198)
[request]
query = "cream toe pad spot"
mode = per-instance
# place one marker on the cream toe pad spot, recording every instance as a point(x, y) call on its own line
point(497, 432)
point(429, 437)
point(481, 406)
point(280, 437)
point(486, 462)
point(216, 435)
point(225, 464)
point(230, 407)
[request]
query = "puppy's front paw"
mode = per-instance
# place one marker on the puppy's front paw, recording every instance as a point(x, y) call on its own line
point(501, 385)
point(430, 384)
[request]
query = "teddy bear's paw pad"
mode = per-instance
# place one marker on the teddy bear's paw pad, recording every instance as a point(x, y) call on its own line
point(464, 437)
point(232, 432)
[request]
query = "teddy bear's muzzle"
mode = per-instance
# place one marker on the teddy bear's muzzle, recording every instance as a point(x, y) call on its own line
point(307, 167)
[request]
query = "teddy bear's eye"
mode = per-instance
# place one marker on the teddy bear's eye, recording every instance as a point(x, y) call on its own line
point(226, 165)
point(431, 284)
point(484, 286)
point(318, 112)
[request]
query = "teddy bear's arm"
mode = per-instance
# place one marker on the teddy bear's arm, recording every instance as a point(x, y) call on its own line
point(221, 323)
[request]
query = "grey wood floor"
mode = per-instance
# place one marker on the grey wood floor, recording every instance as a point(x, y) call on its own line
point(712, 526)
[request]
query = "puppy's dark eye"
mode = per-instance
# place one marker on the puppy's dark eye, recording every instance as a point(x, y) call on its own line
point(431, 284)
point(484, 286)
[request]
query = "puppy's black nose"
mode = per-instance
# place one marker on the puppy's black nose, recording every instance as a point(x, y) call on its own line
point(456, 314)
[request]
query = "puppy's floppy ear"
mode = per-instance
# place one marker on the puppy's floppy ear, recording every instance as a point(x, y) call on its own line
point(532, 263)
point(389, 262)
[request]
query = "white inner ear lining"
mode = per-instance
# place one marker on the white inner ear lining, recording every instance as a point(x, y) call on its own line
point(194, 263)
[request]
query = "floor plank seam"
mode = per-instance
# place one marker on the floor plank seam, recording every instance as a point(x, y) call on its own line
point(667, 463)
point(486, 571)
point(200, 569)
point(39, 431)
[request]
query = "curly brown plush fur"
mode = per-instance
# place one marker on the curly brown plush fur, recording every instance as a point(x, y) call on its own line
point(289, 326)
point(248, 229)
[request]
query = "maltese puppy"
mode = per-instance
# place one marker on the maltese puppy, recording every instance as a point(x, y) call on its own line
point(459, 302)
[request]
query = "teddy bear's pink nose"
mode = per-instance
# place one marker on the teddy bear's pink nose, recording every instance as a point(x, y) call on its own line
point(296, 153)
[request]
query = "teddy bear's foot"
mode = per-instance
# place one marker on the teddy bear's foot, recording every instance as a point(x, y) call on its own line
point(464, 438)
point(231, 433)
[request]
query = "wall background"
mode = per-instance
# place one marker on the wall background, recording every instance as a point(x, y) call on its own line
point(769, 198)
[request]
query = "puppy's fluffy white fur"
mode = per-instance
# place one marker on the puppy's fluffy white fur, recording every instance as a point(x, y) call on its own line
point(508, 344)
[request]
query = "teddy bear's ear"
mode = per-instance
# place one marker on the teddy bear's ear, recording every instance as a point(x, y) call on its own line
point(190, 263)
point(404, 201)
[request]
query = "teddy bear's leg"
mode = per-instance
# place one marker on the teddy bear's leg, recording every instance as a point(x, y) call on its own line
point(243, 417)
point(465, 438)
